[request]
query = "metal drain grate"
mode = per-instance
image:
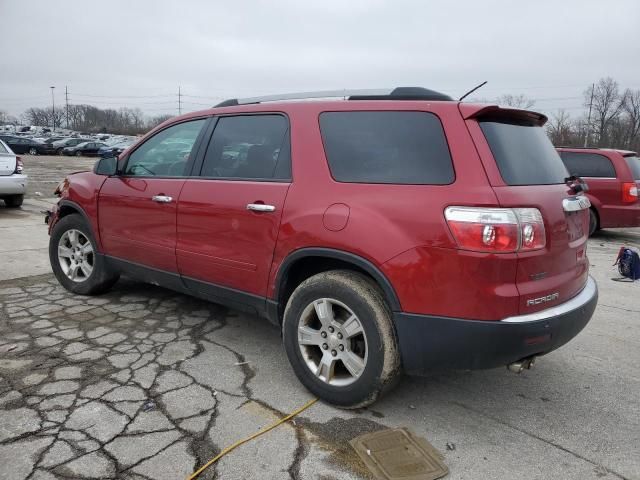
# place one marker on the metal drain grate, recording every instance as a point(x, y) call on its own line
point(397, 454)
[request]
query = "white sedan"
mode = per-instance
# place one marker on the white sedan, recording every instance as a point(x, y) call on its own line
point(13, 183)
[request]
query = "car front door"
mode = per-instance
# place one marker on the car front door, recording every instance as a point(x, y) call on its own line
point(137, 207)
point(229, 216)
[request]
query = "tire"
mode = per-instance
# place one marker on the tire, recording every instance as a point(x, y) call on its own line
point(594, 224)
point(59, 151)
point(32, 151)
point(78, 154)
point(88, 281)
point(14, 201)
point(343, 294)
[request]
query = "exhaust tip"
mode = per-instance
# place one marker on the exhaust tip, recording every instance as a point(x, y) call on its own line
point(520, 365)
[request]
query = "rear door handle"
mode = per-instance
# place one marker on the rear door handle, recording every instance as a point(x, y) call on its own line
point(161, 199)
point(261, 207)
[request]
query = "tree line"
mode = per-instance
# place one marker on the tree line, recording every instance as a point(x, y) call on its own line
point(89, 119)
point(611, 118)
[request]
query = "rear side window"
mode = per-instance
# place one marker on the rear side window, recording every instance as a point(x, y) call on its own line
point(588, 164)
point(2, 149)
point(252, 147)
point(523, 152)
point(386, 147)
point(634, 166)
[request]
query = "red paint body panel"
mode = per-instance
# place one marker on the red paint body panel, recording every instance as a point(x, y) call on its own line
point(134, 227)
point(605, 194)
point(208, 234)
point(220, 241)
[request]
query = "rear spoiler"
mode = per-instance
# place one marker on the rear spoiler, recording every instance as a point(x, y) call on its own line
point(476, 110)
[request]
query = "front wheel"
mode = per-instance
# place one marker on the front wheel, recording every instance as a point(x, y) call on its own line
point(339, 338)
point(74, 258)
point(33, 151)
point(78, 154)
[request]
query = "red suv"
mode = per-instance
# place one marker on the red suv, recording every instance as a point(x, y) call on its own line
point(613, 177)
point(384, 231)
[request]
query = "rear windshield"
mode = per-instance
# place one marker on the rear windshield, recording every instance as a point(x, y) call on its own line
point(386, 147)
point(634, 166)
point(523, 152)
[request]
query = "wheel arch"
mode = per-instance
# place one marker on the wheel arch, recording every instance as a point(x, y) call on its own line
point(69, 207)
point(306, 262)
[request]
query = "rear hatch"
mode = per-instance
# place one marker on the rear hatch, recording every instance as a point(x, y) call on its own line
point(525, 171)
point(7, 161)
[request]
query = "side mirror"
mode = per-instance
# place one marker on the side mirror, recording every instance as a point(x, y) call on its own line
point(106, 166)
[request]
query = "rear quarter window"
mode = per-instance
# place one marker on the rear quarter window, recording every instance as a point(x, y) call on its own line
point(634, 165)
point(386, 147)
point(523, 152)
point(588, 164)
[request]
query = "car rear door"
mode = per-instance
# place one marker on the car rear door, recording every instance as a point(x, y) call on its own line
point(525, 171)
point(229, 216)
point(137, 208)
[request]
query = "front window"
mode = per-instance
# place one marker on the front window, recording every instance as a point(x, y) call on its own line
point(167, 153)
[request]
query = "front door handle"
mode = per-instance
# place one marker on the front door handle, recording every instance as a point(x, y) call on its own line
point(161, 198)
point(261, 207)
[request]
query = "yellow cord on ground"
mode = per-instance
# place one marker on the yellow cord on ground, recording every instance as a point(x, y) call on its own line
point(251, 437)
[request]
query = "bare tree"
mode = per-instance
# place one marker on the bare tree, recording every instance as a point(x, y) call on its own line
point(606, 107)
point(631, 108)
point(562, 129)
point(516, 101)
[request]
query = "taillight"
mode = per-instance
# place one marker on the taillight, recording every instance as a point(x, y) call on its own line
point(629, 192)
point(19, 165)
point(499, 230)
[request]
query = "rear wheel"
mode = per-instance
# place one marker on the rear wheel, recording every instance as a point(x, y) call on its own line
point(33, 151)
point(14, 201)
point(593, 222)
point(339, 338)
point(74, 258)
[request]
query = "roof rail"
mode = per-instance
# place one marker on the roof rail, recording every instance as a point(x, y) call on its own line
point(398, 93)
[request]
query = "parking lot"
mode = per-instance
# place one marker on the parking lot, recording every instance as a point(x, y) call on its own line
point(143, 383)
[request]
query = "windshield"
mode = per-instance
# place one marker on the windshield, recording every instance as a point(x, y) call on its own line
point(634, 165)
point(523, 152)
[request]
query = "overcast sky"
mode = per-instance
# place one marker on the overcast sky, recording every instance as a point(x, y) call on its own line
point(136, 53)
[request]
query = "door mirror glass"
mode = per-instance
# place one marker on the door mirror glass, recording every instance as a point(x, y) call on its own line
point(106, 166)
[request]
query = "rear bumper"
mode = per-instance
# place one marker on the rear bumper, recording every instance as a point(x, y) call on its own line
point(439, 342)
point(13, 184)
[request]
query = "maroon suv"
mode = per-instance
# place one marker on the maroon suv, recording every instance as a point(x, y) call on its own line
point(383, 231)
point(613, 177)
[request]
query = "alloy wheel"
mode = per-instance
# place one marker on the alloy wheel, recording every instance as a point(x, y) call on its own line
point(333, 342)
point(76, 256)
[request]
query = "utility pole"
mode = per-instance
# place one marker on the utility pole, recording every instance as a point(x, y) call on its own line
point(179, 101)
point(53, 109)
point(586, 137)
point(66, 100)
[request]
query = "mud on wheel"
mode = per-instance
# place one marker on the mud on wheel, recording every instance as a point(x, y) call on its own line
point(339, 338)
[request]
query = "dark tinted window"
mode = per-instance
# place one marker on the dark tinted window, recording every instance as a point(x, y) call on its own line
point(588, 164)
point(634, 166)
point(250, 147)
point(523, 152)
point(386, 147)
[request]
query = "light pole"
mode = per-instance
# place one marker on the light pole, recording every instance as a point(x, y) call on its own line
point(53, 109)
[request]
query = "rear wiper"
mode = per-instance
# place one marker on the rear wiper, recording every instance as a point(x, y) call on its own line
point(576, 184)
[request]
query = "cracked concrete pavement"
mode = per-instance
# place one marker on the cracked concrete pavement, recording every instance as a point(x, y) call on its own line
point(144, 383)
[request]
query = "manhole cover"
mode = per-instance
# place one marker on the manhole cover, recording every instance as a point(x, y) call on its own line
point(398, 454)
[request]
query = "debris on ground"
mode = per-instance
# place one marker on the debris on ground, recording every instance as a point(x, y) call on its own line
point(399, 454)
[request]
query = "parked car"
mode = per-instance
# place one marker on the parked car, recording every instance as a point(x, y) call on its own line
point(67, 142)
point(27, 145)
point(613, 177)
point(86, 149)
point(13, 181)
point(385, 232)
point(115, 149)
